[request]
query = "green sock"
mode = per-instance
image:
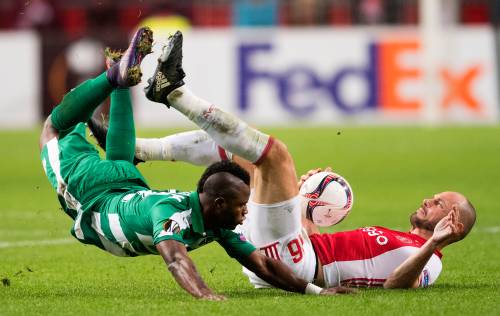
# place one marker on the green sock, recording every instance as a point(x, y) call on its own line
point(120, 141)
point(79, 104)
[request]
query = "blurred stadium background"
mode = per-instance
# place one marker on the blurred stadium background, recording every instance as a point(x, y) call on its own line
point(399, 96)
point(272, 62)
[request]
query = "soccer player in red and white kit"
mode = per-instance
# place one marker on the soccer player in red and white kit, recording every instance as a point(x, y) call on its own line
point(370, 256)
point(381, 257)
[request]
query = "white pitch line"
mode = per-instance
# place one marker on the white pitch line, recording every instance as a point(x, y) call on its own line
point(490, 230)
point(33, 243)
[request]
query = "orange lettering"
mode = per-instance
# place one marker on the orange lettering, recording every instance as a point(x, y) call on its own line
point(391, 74)
point(459, 88)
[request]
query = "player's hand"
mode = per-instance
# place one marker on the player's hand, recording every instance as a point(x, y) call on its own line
point(338, 290)
point(213, 297)
point(448, 229)
point(306, 176)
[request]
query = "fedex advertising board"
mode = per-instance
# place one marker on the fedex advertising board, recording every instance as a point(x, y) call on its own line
point(324, 76)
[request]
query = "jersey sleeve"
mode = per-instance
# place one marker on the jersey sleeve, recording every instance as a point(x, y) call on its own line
point(167, 224)
point(235, 244)
point(430, 272)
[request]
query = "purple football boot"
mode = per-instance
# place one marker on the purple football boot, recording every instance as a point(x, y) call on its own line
point(111, 57)
point(127, 71)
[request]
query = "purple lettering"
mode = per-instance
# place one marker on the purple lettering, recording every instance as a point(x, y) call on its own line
point(368, 74)
point(247, 74)
point(298, 85)
point(295, 84)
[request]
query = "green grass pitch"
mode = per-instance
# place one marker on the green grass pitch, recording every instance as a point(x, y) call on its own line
point(391, 171)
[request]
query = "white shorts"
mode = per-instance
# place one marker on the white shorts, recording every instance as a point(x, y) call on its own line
point(276, 229)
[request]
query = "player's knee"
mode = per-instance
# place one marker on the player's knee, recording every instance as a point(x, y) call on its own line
point(48, 132)
point(278, 154)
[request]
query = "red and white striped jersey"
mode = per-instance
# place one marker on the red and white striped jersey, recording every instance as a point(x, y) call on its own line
point(367, 256)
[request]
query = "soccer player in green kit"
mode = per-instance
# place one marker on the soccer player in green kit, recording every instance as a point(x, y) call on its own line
point(114, 209)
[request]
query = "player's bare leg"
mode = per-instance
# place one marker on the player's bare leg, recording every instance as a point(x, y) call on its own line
point(275, 178)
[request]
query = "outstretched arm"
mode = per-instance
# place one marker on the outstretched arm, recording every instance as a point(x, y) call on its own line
point(407, 274)
point(281, 276)
point(182, 268)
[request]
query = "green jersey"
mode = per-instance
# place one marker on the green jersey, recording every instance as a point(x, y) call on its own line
point(136, 221)
point(114, 209)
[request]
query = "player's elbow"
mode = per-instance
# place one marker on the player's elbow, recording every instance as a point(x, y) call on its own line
point(277, 157)
point(260, 265)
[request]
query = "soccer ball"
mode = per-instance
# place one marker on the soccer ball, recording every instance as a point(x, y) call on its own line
point(326, 198)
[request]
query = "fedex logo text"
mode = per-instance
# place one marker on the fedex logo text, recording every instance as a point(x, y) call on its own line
point(381, 78)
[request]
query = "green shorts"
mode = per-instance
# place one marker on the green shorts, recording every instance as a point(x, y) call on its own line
point(78, 174)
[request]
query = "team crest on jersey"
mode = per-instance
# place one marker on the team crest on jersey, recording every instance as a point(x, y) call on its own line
point(242, 238)
point(171, 227)
point(177, 223)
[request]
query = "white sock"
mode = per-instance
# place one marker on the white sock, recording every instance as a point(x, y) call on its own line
point(194, 147)
point(225, 129)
